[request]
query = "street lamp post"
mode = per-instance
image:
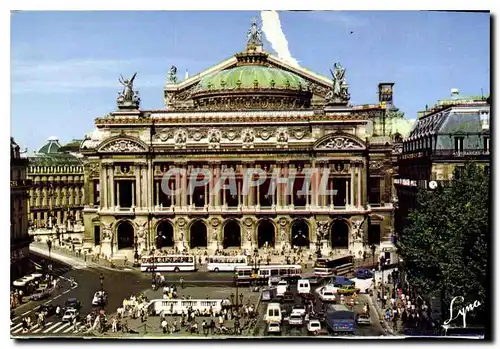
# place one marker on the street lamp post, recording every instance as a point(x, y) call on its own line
point(136, 253)
point(101, 279)
point(237, 305)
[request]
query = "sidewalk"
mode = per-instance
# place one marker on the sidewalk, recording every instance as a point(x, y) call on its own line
point(75, 260)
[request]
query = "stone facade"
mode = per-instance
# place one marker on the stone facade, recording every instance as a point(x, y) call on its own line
point(19, 237)
point(126, 158)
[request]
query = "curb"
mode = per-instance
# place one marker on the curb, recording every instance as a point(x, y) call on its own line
point(380, 317)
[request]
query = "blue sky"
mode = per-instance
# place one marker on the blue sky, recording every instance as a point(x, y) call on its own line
point(65, 65)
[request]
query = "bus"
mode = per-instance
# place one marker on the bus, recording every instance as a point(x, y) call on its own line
point(340, 319)
point(339, 266)
point(168, 263)
point(226, 263)
point(248, 274)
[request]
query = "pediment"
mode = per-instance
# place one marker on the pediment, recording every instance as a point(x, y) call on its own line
point(122, 144)
point(339, 141)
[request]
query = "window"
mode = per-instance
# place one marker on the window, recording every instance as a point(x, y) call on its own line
point(374, 235)
point(374, 194)
point(459, 144)
point(486, 144)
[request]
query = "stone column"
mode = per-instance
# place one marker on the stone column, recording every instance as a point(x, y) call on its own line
point(112, 187)
point(102, 186)
point(118, 193)
point(360, 192)
point(157, 196)
point(346, 192)
point(136, 194)
point(133, 193)
point(184, 186)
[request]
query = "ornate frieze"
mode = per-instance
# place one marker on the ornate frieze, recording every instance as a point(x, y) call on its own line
point(339, 143)
point(163, 136)
point(197, 134)
point(231, 134)
point(299, 133)
point(122, 146)
point(263, 133)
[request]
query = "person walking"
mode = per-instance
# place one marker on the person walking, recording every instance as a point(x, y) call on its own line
point(182, 282)
point(164, 326)
point(75, 325)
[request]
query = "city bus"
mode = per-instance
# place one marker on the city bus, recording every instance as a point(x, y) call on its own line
point(247, 275)
point(226, 263)
point(168, 263)
point(339, 266)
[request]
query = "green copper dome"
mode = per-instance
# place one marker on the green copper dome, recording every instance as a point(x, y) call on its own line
point(251, 77)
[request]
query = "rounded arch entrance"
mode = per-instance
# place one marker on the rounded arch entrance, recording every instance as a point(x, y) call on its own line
point(339, 234)
point(164, 234)
point(300, 233)
point(231, 236)
point(125, 235)
point(265, 233)
point(198, 235)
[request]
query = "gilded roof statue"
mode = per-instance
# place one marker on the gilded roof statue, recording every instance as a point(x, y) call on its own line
point(254, 35)
point(128, 98)
point(172, 75)
point(339, 93)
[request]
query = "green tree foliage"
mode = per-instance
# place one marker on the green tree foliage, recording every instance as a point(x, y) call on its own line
point(445, 245)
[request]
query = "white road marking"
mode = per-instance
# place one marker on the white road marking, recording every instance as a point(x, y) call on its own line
point(63, 326)
point(41, 328)
point(14, 327)
point(18, 330)
point(17, 317)
point(65, 292)
point(47, 302)
point(29, 311)
point(68, 329)
point(51, 328)
point(56, 297)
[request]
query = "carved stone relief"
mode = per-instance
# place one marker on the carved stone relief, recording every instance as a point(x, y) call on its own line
point(339, 143)
point(180, 139)
point(214, 139)
point(299, 133)
point(122, 146)
point(248, 138)
point(282, 138)
point(163, 136)
point(264, 133)
point(231, 134)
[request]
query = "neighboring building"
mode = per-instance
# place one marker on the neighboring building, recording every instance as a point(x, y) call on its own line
point(253, 110)
point(453, 132)
point(56, 197)
point(19, 237)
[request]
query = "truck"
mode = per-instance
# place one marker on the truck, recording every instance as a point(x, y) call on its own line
point(340, 320)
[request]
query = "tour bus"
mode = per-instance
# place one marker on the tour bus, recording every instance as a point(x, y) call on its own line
point(339, 266)
point(248, 275)
point(168, 263)
point(226, 263)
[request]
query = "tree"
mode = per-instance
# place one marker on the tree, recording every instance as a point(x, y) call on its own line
point(445, 245)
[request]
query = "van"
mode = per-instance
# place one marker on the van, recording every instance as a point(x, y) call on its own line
point(273, 313)
point(281, 288)
point(303, 286)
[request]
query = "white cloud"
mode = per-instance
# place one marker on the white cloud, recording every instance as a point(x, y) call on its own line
point(74, 74)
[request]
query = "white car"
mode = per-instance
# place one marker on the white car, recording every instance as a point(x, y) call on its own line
point(327, 295)
point(299, 309)
point(274, 327)
point(70, 314)
point(295, 320)
point(281, 288)
point(313, 326)
point(364, 319)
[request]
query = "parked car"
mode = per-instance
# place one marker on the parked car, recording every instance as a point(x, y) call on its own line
point(70, 314)
point(100, 298)
point(295, 320)
point(364, 274)
point(299, 309)
point(364, 319)
point(72, 303)
point(314, 326)
point(274, 327)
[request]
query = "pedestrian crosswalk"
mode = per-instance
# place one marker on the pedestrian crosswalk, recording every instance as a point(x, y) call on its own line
point(58, 327)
